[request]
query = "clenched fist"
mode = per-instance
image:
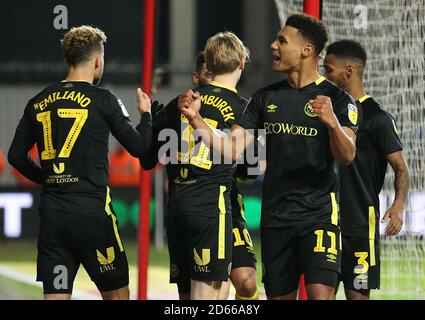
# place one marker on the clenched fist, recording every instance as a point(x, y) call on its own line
point(189, 104)
point(322, 106)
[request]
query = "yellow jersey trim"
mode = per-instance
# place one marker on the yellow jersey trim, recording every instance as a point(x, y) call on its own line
point(372, 221)
point(218, 84)
point(222, 224)
point(334, 215)
point(363, 98)
point(114, 219)
point(75, 81)
point(320, 80)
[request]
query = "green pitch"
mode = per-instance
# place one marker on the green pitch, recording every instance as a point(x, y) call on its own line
point(402, 275)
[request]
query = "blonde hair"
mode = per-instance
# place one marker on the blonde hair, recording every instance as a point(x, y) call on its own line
point(224, 52)
point(79, 43)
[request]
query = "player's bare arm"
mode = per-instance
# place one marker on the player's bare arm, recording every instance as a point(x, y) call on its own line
point(401, 186)
point(230, 146)
point(342, 139)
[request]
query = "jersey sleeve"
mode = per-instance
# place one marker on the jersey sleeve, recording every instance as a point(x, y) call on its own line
point(22, 142)
point(250, 167)
point(135, 141)
point(384, 133)
point(238, 110)
point(346, 111)
point(150, 158)
point(162, 117)
point(252, 117)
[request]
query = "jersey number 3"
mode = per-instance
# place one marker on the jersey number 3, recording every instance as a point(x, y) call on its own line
point(49, 152)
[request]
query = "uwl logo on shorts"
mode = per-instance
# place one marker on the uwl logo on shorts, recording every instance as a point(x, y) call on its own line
point(106, 263)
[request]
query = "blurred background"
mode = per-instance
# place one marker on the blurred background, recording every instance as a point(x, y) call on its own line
point(392, 31)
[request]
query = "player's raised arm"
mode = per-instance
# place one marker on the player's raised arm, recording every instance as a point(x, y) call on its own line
point(143, 101)
point(342, 139)
point(162, 118)
point(230, 146)
point(136, 142)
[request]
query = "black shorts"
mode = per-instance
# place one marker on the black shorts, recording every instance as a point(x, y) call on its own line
point(243, 254)
point(66, 240)
point(360, 265)
point(200, 247)
point(288, 252)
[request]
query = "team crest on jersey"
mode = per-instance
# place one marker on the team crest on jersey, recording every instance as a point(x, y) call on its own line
point(271, 108)
point(216, 90)
point(308, 110)
point(352, 113)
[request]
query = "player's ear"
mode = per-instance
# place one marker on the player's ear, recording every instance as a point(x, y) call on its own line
point(195, 78)
point(349, 71)
point(307, 51)
point(98, 61)
point(242, 64)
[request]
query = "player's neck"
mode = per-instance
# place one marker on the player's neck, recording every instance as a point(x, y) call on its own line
point(229, 79)
point(303, 75)
point(356, 90)
point(80, 74)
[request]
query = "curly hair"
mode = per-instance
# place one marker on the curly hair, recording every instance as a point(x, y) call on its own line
point(79, 43)
point(200, 61)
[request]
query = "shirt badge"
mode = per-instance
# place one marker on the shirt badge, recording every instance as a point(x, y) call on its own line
point(308, 110)
point(352, 113)
point(271, 108)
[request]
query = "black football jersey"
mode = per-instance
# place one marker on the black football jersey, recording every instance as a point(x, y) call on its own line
point(362, 180)
point(70, 122)
point(194, 173)
point(300, 184)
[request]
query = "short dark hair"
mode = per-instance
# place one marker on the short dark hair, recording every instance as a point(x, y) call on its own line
point(349, 49)
point(79, 43)
point(200, 61)
point(311, 29)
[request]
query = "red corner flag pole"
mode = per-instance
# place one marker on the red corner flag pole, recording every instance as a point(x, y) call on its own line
point(145, 176)
point(312, 8)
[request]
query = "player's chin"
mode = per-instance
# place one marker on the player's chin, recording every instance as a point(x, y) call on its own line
point(277, 66)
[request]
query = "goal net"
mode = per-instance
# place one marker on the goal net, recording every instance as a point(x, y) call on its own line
point(393, 33)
